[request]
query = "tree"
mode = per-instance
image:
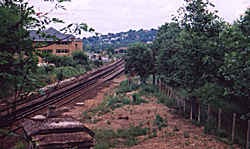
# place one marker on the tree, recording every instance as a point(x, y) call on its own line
point(190, 54)
point(18, 60)
point(205, 56)
point(18, 55)
point(236, 67)
point(167, 56)
point(139, 60)
point(80, 58)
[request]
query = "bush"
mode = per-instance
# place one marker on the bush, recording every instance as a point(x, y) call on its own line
point(160, 122)
point(66, 72)
point(126, 87)
point(80, 58)
point(149, 89)
point(61, 61)
point(108, 138)
point(137, 100)
point(114, 102)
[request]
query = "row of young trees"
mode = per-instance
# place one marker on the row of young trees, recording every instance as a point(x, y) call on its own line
point(200, 53)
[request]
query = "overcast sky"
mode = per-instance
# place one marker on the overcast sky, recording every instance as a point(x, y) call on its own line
point(111, 16)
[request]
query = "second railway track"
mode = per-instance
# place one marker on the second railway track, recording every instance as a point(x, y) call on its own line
point(64, 95)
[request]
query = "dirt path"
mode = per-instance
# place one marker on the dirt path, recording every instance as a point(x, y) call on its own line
point(179, 133)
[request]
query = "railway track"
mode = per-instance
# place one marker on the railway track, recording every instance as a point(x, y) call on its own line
point(65, 94)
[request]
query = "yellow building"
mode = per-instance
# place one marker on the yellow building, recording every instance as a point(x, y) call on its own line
point(64, 44)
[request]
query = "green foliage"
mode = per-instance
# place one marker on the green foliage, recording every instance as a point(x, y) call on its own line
point(160, 122)
point(137, 100)
point(132, 131)
point(19, 74)
point(206, 57)
point(125, 87)
point(80, 58)
point(65, 72)
point(61, 61)
point(104, 138)
point(109, 138)
point(18, 60)
point(149, 90)
point(176, 128)
point(139, 60)
point(114, 102)
point(122, 39)
point(8, 133)
point(163, 99)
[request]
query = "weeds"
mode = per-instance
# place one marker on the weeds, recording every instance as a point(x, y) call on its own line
point(122, 137)
point(137, 100)
point(148, 90)
point(160, 122)
point(176, 128)
point(126, 87)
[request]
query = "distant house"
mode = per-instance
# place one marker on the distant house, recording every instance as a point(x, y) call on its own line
point(121, 50)
point(63, 46)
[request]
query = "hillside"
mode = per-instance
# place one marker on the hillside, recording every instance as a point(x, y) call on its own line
point(116, 40)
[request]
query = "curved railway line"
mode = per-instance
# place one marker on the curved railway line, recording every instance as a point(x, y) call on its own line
point(65, 94)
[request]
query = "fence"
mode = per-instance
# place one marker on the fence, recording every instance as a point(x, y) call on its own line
point(216, 121)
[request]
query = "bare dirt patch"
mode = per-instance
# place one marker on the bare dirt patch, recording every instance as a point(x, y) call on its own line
point(94, 97)
point(179, 133)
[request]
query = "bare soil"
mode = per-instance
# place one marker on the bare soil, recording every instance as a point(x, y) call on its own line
point(179, 133)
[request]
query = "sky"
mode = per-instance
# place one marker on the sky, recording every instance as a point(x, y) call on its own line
point(112, 16)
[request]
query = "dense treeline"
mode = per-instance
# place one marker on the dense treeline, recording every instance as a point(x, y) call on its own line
point(204, 56)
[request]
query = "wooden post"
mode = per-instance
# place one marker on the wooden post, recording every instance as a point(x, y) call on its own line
point(199, 113)
point(233, 128)
point(208, 113)
point(219, 118)
point(168, 93)
point(184, 106)
point(191, 111)
point(248, 135)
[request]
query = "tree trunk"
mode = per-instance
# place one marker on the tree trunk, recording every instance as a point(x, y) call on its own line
point(153, 78)
point(233, 127)
point(219, 118)
point(248, 135)
point(199, 113)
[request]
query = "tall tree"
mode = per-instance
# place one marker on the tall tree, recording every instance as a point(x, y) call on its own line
point(18, 56)
point(139, 60)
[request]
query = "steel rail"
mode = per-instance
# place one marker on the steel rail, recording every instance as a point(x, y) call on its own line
point(51, 90)
point(25, 111)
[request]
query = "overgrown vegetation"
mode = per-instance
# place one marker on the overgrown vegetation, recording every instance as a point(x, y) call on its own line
point(20, 74)
point(108, 138)
point(122, 137)
point(111, 102)
point(126, 86)
point(201, 54)
point(63, 67)
point(160, 122)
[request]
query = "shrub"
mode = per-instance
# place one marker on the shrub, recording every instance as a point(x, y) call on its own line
point(149, 89)
point(160, 122)
point(126, 87)
point(66, 72)
point(137, 100)
point(80, 58)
